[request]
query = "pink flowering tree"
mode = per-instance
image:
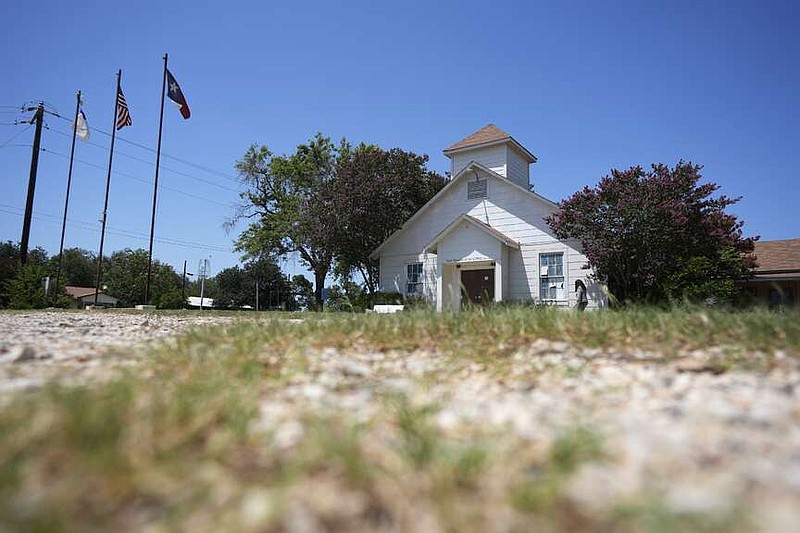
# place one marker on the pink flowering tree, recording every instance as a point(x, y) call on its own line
point(658, 235)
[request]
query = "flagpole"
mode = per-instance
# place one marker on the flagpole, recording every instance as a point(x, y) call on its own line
point(66, 200)
point(108, 186)
point(155, 185)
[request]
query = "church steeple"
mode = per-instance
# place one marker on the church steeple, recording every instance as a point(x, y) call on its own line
point(495, 149)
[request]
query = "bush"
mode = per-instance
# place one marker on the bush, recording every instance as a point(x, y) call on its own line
point(26, 290)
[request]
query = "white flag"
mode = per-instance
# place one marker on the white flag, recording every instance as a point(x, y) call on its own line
point(81, 127)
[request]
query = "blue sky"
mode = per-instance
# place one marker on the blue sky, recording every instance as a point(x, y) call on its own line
point(586, 86)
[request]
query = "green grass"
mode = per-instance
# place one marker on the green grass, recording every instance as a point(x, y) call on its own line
point(175, 440)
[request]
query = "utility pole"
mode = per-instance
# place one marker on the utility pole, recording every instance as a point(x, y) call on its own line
point(183, 289)
point(38, 117)
point(203, 273)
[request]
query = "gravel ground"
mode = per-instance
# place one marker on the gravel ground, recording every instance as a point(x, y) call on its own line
point(703, 440)
point(36, 346)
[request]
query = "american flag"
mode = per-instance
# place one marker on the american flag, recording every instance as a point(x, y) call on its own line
point(123, 115)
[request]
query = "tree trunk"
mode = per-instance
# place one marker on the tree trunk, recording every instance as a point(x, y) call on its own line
point(319, 283)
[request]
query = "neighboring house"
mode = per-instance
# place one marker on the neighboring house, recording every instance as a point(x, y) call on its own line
point(483, 237)
point(776, 280)
point(84, 296)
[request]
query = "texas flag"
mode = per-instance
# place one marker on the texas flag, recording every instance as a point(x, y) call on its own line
point(176, 95)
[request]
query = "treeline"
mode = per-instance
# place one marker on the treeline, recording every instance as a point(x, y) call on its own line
point(124, 277)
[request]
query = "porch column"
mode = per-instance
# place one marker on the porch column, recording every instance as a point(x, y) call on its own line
point(498, 281)
point(439, 283)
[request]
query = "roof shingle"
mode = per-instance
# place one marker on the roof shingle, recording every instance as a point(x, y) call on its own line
point(487, 134)
point(777, 255)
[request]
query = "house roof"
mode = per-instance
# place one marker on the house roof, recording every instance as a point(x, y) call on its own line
point(777, 256)
point(472, 167)
point(79, 292)
point(487, 136)
point(476, 223)
point(83, 292)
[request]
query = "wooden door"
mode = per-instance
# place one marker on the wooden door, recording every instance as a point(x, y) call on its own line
point(477, 286)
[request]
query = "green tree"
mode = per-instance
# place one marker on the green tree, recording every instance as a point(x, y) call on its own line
point(288, 204)
point(79, 267)
point(26, 290)
point(126, 275)
point(236, 286)
point(375, 192)
point(10, 270)
point(658, 235)
point(303, 292)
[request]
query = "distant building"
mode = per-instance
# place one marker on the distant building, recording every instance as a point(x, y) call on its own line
point(194, 301)
point(84, 296)
point(483, 238)
point(776, 282)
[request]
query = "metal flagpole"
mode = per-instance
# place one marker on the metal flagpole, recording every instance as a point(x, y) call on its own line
point(155, 186)
point(66, 200)
point(108, 185)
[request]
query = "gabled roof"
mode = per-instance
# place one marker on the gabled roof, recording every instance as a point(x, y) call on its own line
point(79, 292)
point(83, 292)
point(472, 167)
point(487, 136)
point(777, 256)
point(502, 237)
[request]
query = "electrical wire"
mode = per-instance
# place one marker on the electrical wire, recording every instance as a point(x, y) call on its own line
point(137, 178)
point(83, 224)
point(152, 164)
point(15, 136)
point(163, 154)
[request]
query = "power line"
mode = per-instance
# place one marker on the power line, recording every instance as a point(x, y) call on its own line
point(164, 154)
point(117, 152)
point(83, 224)
point(137, 178)
point(15, 136)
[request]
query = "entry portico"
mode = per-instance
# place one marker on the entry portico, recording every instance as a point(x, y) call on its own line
point(471, 259)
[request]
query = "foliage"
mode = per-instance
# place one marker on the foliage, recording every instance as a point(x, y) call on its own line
point(303, 292)
point(236, 286)
point(658, 235)
point(79, 268)
point(330, 203)
point(288, 203)
point(374, 193)
point(170, 297)
point(26, 290)
point(10, 266)
point(125, 276)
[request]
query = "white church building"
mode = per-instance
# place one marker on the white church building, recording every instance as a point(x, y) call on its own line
point(483, 237)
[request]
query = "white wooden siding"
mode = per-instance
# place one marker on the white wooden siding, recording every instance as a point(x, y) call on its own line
point(518, 168)
point(468, 243)
point(515, 213)
point(492, 157)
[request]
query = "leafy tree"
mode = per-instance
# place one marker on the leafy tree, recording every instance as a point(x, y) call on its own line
point(658, 234)
point(374, 193)
point(235, 286)
point(10, 269)
point(126, 275)
point(303, 292)
point(288, 204)
point(26, 290)
point(80, 267)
